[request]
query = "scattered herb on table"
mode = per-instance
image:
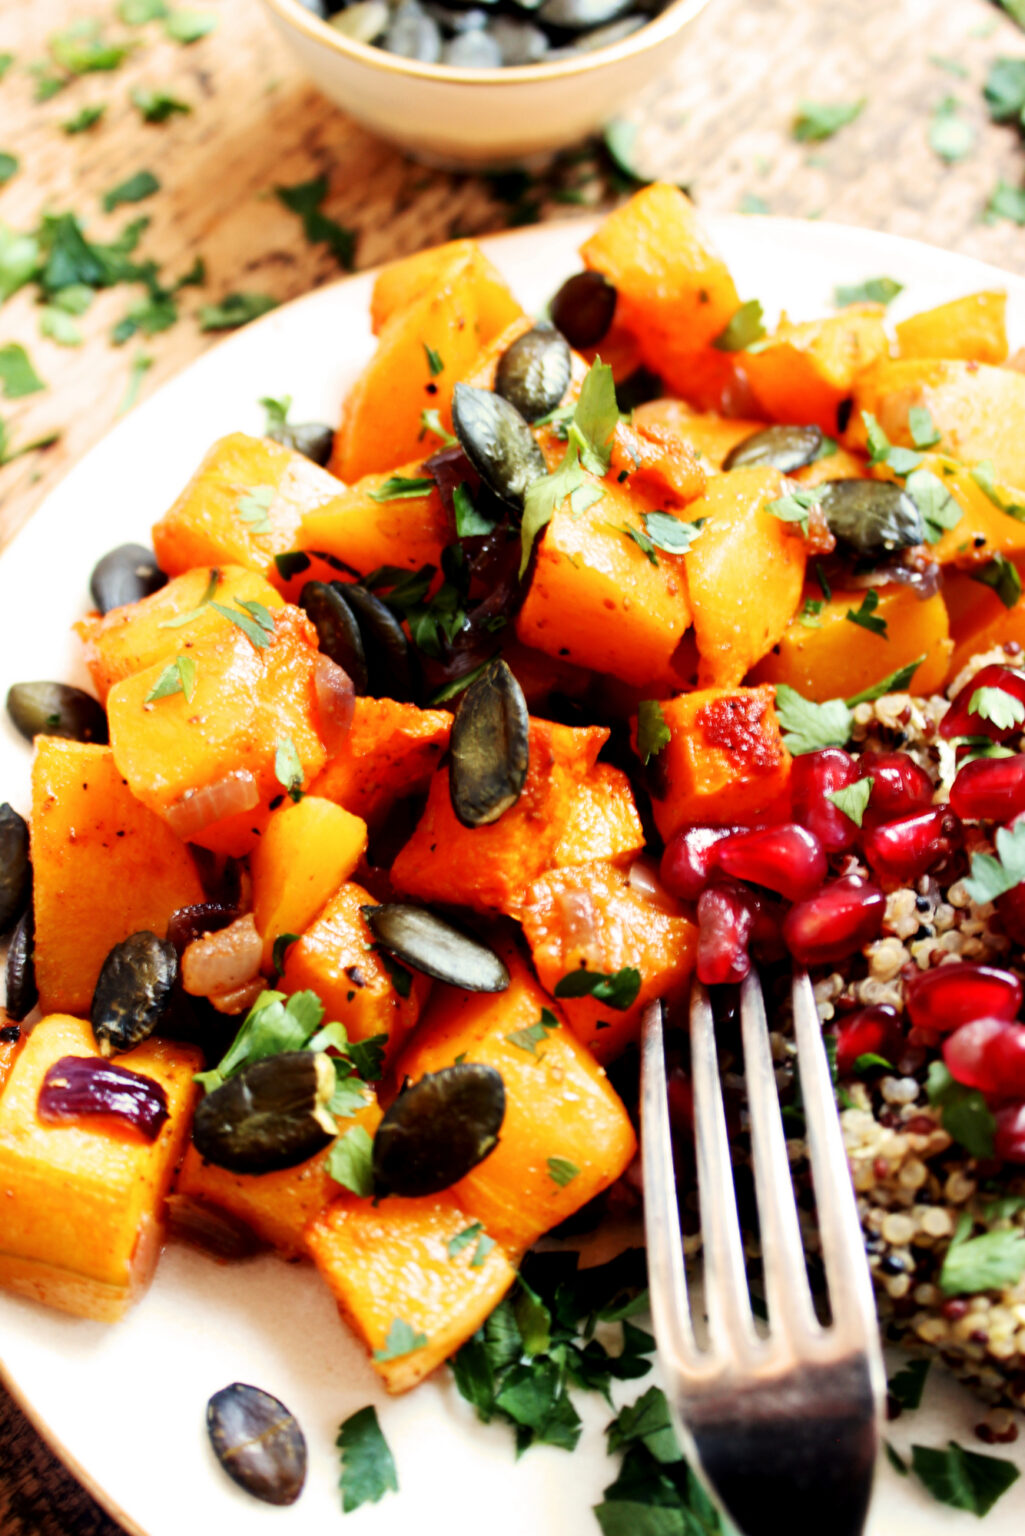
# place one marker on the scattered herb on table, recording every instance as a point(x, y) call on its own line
point(187, 26)
point(141, 364)
point(305, 199)
point(818, 120)
point(235, 309)
point(951, 136)
point(155, 106)
point(9, 165)
point(17, 375)
point(966, 1479)
point(142, 185)
point(368, 1467)
point(85, 118)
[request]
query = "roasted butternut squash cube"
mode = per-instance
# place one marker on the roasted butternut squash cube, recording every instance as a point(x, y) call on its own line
point(566, 1135)
point(839, 658)
point(8, 1051)
point(725, 761)
point(139, 635)
point(979, 621)
point(745, 573)
point(488, 868)
point(603, 821)
point(243, 506)
point(104, 867)
point(389, 1263)
point(338, 958)
point(596, 599)
point(391, 751)
point(985, 528)
point(307, 851)
point(81, 1203)
point(540, 676)
point(249, 696)
point(277, 1207)
point(401, 283)
point(802, 372)
point(709, 436)
point(364, 532)
point(622, 928)
point(971, 328)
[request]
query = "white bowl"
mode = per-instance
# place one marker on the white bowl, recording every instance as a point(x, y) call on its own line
point(481, 117)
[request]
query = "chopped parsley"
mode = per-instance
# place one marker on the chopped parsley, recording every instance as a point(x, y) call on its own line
point(1002, 575)
point(561, 1171)
point(881, 451)
point(818, 120)
point(997, 705)
point(951, 136)
point(671, 534)
point(982, 474)
point(9, 165)
point(186, 26)
point(288, 769)
point(644, 544)
point(435, 362)
point(402, 1340)
point(965, 1479)
point(81, 48)
point(807, 727)
point(282, 944)
point(922, 427)
point(795, 506)
point(350, 1161)
point(908, 1384)
point(865, 615)
point(274, 1024)
point(1006, 202)
point(894, 682)
point(178, 677)
point(964, 1113)
point(1004, 89)
point(991, 876)
point(743, 329)
point(589, 447)
point(305, 199)
point(938, 507)
point(619, 988)
point(652, 732)
point(254, 507)
point(141, 364)
point(157, 106)
point(469, 522)
point(254, 620)
point(143, 184)
point(403, 488)
point(235, 309)
point(181, 619)
point(17, 375)
point(876, 290)
point(85, 118)
point(368, 1467)
point(59, 326)
point(430, 421)
point(994, 1261)
point(532, 1035)
point(853, 799)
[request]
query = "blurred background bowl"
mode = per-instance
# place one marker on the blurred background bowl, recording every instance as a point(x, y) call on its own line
point(469, 118)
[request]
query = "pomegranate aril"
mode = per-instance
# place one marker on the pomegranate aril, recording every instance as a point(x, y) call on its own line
point(1011, 911)
point(787, 859)
point(870, 1032)
point(1009, 1136)
point(766, 941)
point(988, 1054)
point(813, 777)
point(959, 719)
point(724, 927)
point(952, 995)
point(689, 860)
point(899, 786)
point(990, 789)
point(904, 850)
point(836, 922)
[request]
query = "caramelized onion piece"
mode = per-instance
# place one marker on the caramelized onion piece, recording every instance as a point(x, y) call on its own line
point(336, 700)
point(76, 1087)
point(579, 925)
point(643, 878)
point(237, 999)
point(222, 962)
point(200, 808)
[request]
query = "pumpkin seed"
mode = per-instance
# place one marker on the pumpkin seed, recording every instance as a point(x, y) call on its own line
point(271, 1115)
point(498, 443)
point(871, 515)
point(534, 373)
point(413, 34)
point(581, 15)
point(257, 1442)
point(337, 630)
point(601, 37)
point(389, 662)
point(125, 575)
point(429, 944)
point(489, 747)
point(520, 42)
point(472, 50)
point(315, 439)
point(56, 709)
point(784, 448)
point(438, 1129)
point(364, 22)
point(15, 869)
point(583, 308)
point(133, 991)
point(22, 993)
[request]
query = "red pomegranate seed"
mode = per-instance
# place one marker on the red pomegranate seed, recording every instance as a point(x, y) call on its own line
point(901, 851)
point(990, 789)
point(959, 719)
point(787, 859)
point(988, 1054)
point(724, 927)
point(953, 995)
point(1011, 911)
point(690, 860)
point(1009, 1136)
point(766, 943)
point(872, 1031)
point(836, 922)
point(813, 777)
point(899, 786)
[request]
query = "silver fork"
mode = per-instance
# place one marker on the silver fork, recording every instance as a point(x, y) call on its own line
point(783, 1424)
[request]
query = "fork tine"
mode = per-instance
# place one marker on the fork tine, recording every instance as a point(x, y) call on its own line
point(850, 1286)
point(666, 1274)
point(730, 1320)
point(787, 1292)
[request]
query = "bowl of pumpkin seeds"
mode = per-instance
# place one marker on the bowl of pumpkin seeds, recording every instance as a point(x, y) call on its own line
point(483, 83)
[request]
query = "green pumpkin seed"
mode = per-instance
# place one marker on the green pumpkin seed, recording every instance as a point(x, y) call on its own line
point(133, 992)
point(338, 633)
point(22, 995)
point(15, 869)
point(313, 439)
point(257, 1442)
point(784, 448)
point(433, 946)
point(438, 1130)
point(534, 373)
point(56, 709)
point(871, 516)
point(489, 747)
point(125, 575)
point(271, 1115)
point(498, 443)
point(389, 661)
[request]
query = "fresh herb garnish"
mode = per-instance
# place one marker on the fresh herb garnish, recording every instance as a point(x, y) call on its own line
point(59, 326)
point(532, 1035)
point(141, 364)
point(178, 677)
point(403, 488)
point(932, 498)
point(994, 1261)
point(254, 620)
point(853, 799)
point(368, 1467)
point(186, 26)
point(8, 166)
point(908, 1384)
point(652, 732)
point(951, 136)
point(181, 619)
point(589, 447)
point(350, 1161)
point(990, 877)
point(795, 506)
point(143, 184)
point(469, 522)
point(430, 421)
point(671, 534)
point(742, 330)
point(966, 1479)
point(288, 769)
point(818, 120)
point(81, 48)
point(561, 1171)
point(1006, 202)
point(619, 988)
point(157, 106)
point(881, 451)
point(922, 427)
point(982, 474)
point(894, 682)
point(964, 1113)
point(274, 1024)
point(84, 119)
point(1004, 89)
point(305, 199)
point(17, 375)
point(644, 544)
point(808, 727)
point(402, 1340)
point(876, 290)
point(1002, 575)
point(282, 944)
point(254, 506)
point(997, 705)
point(235, 309)
point(810, 614)
point(865, 615)
point(435, 362)
point(135, 13)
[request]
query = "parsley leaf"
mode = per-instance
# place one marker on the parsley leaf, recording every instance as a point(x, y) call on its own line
point(1002, 575)
point(157, 106)
point(282, 944)
point(59, 326)
point(595, 418)
point(235, 309)
point(430, 421)
point(17, 375)
point(932, 498)
point(529, 1038)
point(809, 726)
point(965, 1479)
point(997, 705)
point(908, 1384)
point(742, 330)
point(671, 534)
point(951, 136)
point(562, 1171)
point(435, 362)
point(187, 27)
point(135, 13)
point(881, 451)
point(273, 1025)
point(178, 677)
point(469, 522)
point(992, 1262)
point(546, 493)
point(464, 1238)
point(254, 506)
point(894, 682)
point(368, 1467)
point(1006, 202)
point(141, 364)
point(19, 257)
point(8, 166)
point(84, 119)
point(350, 1159)
point(1004, 89)
point(990, 877)
point(922, 427)
point(253, 619)
point(305, 199)
point(875, 290)
point(853, 799)
point(182, 619)
point(619, 989)
point(818, 120)
point(865, 615)
point(795, 506)
point(81, 48)
point(964, 1113)
point(652, 732)
point(982, 474)
point(402, 1340)
point(142, 184)
point(642, 541)
point(288, 770)
point(403, 488)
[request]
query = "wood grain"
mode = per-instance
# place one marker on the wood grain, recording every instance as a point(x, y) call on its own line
point(719, 122)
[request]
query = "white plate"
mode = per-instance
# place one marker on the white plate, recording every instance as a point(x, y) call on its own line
point(125, 1405)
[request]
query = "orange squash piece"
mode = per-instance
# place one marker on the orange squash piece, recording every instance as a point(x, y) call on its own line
point(626, 929)
point(488, 868)
point(139, 635)
point(985, 529)
point(8, 1052)
point(337, 958)
point(307, 851)
point(104, 867)
point(839, 659)
point(709, 436)
point(540, 676)
point(745, 572)
point(840, 465)
point(802, 372)
point(391, 750)
point(277, 1207)
point(243, 506)
point(82, 1201)
point(390, 1262)
point(978, 619)
point(401, 283)
point(247, 700)
point(971, 328)
point(978, 410)
point(725, 761)
point(365, 533)
point(560, 1109)
point(603, 820)
point(595, 598)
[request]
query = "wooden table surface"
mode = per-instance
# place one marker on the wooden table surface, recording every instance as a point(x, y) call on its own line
point(719, 123)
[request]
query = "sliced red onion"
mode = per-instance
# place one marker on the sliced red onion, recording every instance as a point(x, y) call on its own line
point(579, 925)
point(336, 701)
point(201, 808)
point(224, 961)
point(77, 1087)
point(643, 878)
